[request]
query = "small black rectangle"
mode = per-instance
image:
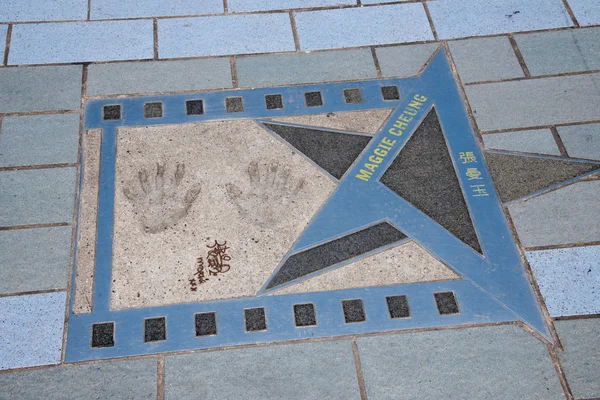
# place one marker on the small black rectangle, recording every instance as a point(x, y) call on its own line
point(155, 329)
point(255, 319)
point(353, 96)
point(103, 334)
point(206, 324)
point(111, 112)
point(234, 104)
point(354, 311)
point(398, 306)
point(153, 110)
point(274, 101)
point(304, 314)
point(313, 99)
point(390, 92)
point(194, 107)
point(446, 303)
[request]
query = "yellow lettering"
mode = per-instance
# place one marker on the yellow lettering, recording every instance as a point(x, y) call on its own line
point(404, 118)
point(371, 167)
point(410, 111)
point(420, 98)
point(393, 132)
point(376, 160)
point(380, 152)
point(364, 175)
point(400, 125)
point(415, 104)
point(388, 141)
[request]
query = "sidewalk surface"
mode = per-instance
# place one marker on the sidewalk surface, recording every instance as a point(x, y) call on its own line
point(300, 199)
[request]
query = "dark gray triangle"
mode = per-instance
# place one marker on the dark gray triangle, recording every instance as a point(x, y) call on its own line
point(334, 252)
point(333, 151)
point(424, 175)
point(516, 176)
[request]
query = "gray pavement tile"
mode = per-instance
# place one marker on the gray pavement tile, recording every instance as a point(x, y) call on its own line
point(305, 67)
point(31, 329)
point(40, 10)
point(581, 358)
point(39, 139)
point(533, 141)
point(107, 9)
point(40, 88)
point(462, 18)
point(228, 34)
point(500, 362)
point(158, 76)
point(127, 380)
point(564, 216)
point(318, 370)
point(362, 26)
point(37, 196)
point(404, 60)
point(34, 259)
point(66, 42)
point(485, 59)
point(3, 32)
point(569, 279)
point(269, 5)
point(565, 99)
point(587, 12)
point(582, 141)
point(561, 51)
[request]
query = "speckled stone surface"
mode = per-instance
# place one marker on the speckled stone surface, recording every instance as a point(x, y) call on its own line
point(492, 363)
point(581, 141)
point(533, 141)
point(31, 329)
point(567, 215)
point(569, 279)
point(368, 121)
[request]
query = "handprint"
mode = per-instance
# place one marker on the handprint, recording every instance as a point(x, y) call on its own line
point(272, 189)
point(160, 202)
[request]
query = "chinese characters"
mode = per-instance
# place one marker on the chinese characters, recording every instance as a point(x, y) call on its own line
point(473, 174)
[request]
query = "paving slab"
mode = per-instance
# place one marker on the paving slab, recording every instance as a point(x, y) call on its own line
point(305, 371)
point(404, 60)
point(39, 139)
point(59, 10)
point(485, 59)
point(561, 51)
point(570, 208)
point(220, 35)
point(32, 330)
point(351, 27)
point(40, 88)
point(587, 12)
point(35, 259)
point(579, 100)
point(3, 33)
point(68, 42)
point(270, 5)
point(130, 379)
point(463, 18)
point(471, 363)
point(582, 141)
point(38, 196)
point(324, 66)
point(158, 76)
point(531, 141)
point(581, 358)
point(569, 279)
point(110, 9)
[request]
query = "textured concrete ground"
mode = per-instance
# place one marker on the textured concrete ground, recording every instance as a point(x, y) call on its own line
point(529, 74)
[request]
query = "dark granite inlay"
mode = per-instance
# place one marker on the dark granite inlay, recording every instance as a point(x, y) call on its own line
point(234, 104)
point(333, 151)
point(353, 96)
point(206, 324)
point(354, 311)
point(423, 174)
point(194, 107)
point(255, 319)
point(155, 329)
point(390, 92)
point(153, 110)
point(335, 252)
point(516, 176)
point(103, 334)
point(398, 306)
point(313, 99)
point(446, 303)
point(274, 101)
point(111, 113)
point(304, 314)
